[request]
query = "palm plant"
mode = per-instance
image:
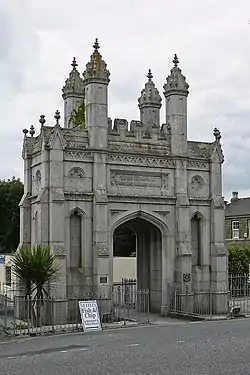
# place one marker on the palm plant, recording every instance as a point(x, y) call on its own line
point(34, 268)
point(44, 268)
point(21, 267)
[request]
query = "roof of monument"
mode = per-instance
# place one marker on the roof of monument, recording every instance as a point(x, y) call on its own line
point(201, 150)
point(78, 139)
point(136, 140)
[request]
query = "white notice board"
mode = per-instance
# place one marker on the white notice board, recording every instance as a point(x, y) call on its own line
point(90, 315)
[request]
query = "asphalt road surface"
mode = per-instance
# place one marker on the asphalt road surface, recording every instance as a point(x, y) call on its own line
point(221, 347)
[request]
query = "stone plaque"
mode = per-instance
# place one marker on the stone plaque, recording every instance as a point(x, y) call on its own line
point(138, 181)
point(186, 277)
point(102, 250)
point(220, 249)
point(103, 280)
point(59, 250)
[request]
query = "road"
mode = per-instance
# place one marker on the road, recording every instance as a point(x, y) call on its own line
point(214, 348)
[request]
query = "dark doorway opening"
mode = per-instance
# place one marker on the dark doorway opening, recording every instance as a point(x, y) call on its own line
point(143, 239)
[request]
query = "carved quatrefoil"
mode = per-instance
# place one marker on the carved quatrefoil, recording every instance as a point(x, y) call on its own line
point(77, 173)
point(197, 182)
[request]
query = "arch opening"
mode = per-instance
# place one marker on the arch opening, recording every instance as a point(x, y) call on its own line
point(137, 254)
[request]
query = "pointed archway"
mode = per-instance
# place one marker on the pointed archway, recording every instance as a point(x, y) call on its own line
point(141, 236)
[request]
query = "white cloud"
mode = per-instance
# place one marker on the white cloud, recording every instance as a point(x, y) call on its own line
point(39, 39)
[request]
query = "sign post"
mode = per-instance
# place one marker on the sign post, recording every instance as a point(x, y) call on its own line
point(90, 316)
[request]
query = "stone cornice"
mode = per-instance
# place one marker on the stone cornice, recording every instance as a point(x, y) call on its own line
point(135, 198)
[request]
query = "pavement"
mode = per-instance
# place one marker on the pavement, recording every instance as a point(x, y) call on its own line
point(181, 348)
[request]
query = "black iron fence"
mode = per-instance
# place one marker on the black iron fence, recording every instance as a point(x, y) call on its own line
point(239, 285)
point(122, 304)
point(230, 300)
point(206, 303)
point(31, 316)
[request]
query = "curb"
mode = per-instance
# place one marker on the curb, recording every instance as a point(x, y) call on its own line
point(187, 319)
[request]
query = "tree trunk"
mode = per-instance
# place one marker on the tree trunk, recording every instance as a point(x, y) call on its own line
point(39, 306)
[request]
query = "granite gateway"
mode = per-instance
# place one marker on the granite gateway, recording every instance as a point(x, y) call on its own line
point(91, 176)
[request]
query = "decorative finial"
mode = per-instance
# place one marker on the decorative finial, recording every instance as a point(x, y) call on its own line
point(57, 117)
point(96, 69)
point(32, 131)
point(175, 61)
point(74, 63)
point(150, 75)
point(25, 132)
point(96, 45)
point(42, 120)
point(217, 135)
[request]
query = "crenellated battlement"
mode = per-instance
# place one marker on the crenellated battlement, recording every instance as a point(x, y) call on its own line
point(138, 135)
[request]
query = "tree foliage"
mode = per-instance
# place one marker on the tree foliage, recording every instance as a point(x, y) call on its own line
point(11, 192)
point(238, 259)
point(35, 267)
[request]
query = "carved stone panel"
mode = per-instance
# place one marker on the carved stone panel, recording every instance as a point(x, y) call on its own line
point(75, 179)
point(142, 148)
point(59, 250)
point(102, 250)
point(193, 164)
point(135, 180)
point(185, 249)
point(218, 202)
point(141, 160)
point(75, 196)
point(76, 173)
point(78, 155)
point(198, 186)
point(197, 182)
point(220, 249)
point(101, 195)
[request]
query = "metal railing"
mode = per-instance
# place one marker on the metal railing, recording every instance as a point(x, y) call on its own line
point(239, 294)
point(31, 316)
point(123, 304)
point(231, 301)
point(239, 285)
point(204, 303)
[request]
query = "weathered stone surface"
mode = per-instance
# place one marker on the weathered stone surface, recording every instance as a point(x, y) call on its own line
point(146, 174)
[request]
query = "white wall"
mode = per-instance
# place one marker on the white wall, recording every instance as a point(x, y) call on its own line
point(124, 268)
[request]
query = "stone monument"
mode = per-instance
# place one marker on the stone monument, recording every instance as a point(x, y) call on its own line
point(90, 175)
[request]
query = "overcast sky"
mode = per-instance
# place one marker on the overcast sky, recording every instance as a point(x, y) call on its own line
point(211, 37)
